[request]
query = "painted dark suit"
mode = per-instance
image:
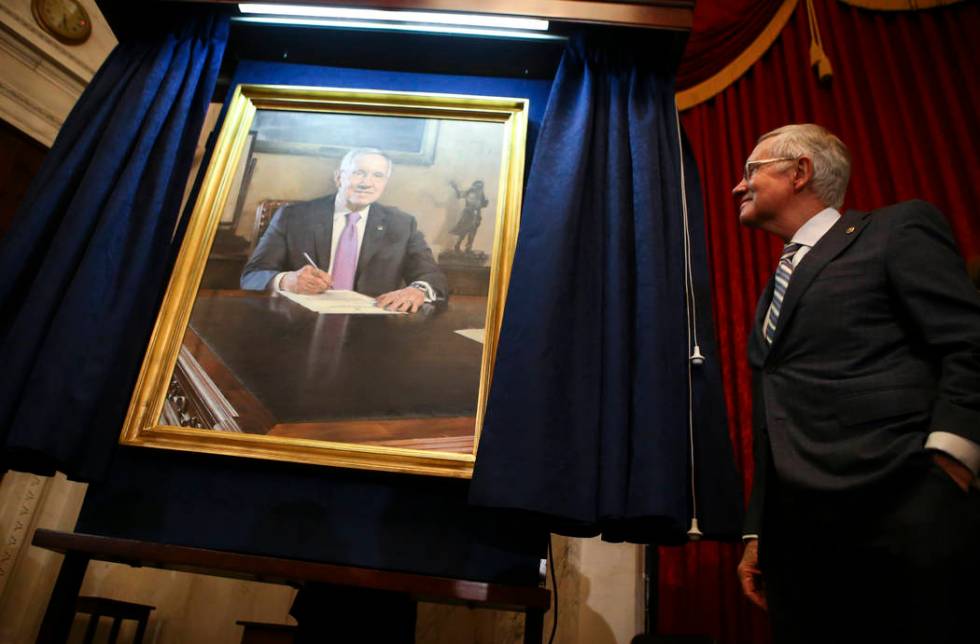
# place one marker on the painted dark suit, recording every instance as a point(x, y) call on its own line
point(393, 252)
point(877, 344)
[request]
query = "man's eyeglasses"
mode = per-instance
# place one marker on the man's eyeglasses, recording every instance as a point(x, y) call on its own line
point(752, 166)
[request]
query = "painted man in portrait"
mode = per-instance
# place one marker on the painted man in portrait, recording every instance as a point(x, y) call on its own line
point(349, 241)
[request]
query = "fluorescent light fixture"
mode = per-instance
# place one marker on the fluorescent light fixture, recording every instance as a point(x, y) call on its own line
point(394, 26)
point(387, 17)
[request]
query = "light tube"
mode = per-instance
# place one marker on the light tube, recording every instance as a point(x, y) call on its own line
point(427, 17)
point(394, 26)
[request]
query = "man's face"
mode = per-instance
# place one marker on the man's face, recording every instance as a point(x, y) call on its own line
point(765, 190)
point(362, 182)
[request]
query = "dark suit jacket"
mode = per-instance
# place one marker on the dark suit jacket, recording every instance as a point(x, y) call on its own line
point(393, 251)
point(878, 343)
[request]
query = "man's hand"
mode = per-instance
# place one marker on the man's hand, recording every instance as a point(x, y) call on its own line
point(307, 280)
point(960, 473)
point(750, 576)
point(408, 299)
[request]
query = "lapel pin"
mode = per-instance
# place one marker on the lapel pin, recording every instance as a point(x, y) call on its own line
point(381, 227)
point(850, 229)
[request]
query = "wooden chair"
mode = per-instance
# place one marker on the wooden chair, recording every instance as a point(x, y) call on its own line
point(263, 633)
point(97, 607)
point(263, 215)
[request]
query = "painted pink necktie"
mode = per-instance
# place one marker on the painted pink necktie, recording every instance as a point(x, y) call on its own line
point(345, 260)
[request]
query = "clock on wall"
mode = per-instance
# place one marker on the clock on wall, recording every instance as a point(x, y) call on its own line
point(66, 20)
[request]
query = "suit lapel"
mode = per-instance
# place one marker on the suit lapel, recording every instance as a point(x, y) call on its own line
point(832, 244)
point(374, 234)
point(323, 232)
point(758, 347)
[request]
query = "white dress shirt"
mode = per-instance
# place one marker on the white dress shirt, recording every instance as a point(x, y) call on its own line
point(810, 233)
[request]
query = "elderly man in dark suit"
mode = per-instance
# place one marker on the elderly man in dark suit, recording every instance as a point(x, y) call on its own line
point(864, 518)
point(368, 247)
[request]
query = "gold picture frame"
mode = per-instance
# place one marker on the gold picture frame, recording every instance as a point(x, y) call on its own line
point(257, 371)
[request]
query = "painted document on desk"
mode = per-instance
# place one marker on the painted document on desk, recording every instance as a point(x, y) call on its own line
point(333, 302)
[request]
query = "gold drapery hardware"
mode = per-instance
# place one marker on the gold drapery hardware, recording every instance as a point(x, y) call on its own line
point(818, 57)
point(734, 70)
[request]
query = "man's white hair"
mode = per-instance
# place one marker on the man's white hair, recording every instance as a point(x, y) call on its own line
point(347, 163)
point(831, 160)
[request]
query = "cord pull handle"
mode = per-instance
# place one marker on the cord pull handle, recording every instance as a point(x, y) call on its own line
point(694, 534)
point(697, 358)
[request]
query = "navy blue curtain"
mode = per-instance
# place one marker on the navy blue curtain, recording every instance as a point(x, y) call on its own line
point(85, 262)
point(587, 423)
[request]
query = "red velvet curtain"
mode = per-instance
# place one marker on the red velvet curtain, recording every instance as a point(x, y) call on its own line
point(904, 97)
point(722, 30)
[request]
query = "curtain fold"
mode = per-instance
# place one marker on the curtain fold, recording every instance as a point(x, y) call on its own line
point(721, 32)
point(899, 5)
point(587, 419)
point(86, 259)
point(904, 98)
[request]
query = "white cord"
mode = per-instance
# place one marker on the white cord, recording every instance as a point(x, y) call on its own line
point(696, 359)
point(690, 300)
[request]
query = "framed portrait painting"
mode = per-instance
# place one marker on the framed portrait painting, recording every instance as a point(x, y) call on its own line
point(339, 291)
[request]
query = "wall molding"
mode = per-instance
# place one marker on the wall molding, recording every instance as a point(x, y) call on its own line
point(28, 103)
point(17, 48)
point(26, 493)
point(17, 109)
point(36, 91)
point(84, 70)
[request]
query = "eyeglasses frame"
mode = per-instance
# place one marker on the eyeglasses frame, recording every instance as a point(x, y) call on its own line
point(751, 166)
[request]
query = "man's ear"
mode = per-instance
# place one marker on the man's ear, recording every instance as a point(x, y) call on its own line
point(802, 173)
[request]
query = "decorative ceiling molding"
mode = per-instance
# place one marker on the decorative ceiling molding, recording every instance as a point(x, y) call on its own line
point(25, 102)
point(26, 27)
point(36, 94)
point(28, 56)
point(43, 78)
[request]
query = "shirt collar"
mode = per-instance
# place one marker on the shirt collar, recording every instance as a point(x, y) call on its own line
point(340, 215)
point(816, 227)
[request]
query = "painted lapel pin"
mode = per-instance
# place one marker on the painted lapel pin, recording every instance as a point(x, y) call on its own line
point(850, 229)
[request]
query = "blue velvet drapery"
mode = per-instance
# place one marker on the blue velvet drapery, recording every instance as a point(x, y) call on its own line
point(587, 421)
point(85, 262)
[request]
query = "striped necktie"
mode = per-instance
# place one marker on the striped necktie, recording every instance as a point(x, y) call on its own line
point(783, 272)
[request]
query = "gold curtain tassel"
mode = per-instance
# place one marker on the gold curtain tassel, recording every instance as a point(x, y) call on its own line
point(820, 60)
point(818, 57)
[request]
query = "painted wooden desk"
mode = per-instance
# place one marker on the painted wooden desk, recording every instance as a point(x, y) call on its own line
point(405, 381)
